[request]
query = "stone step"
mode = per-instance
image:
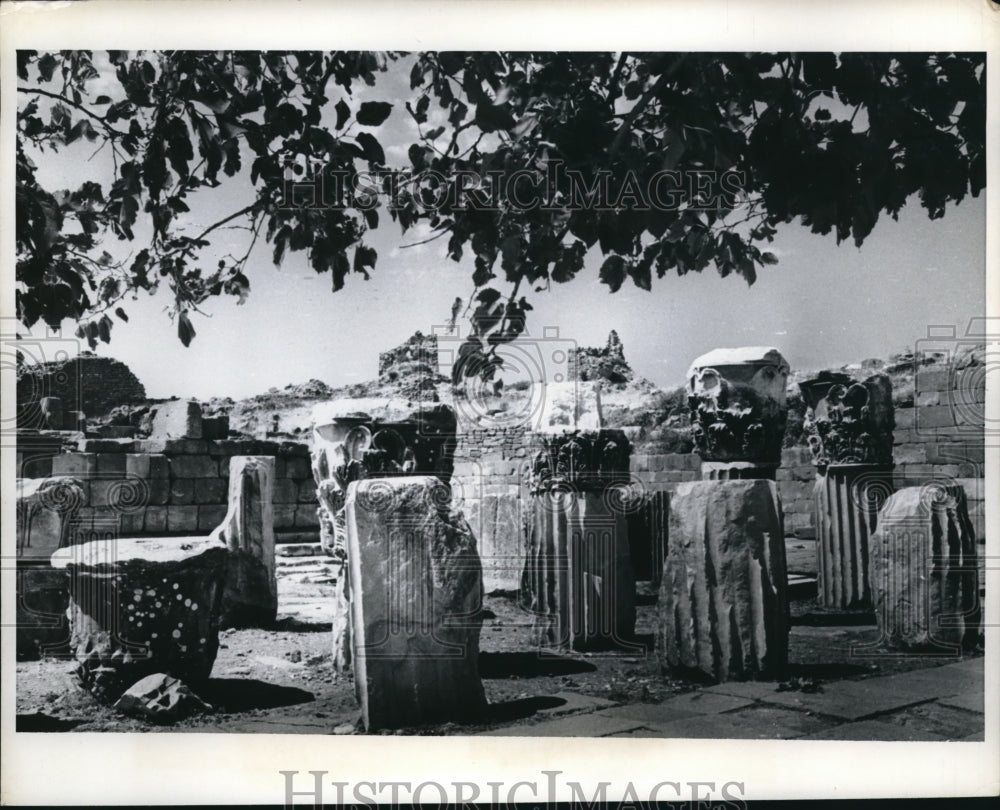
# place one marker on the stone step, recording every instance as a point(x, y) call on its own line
point(298, 549)
point(310, 560)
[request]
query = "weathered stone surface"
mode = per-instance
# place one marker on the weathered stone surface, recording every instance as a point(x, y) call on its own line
point(355, 439)
point(142, 606)
point(416, 603)
point(579, 461)
point(578, 579)
point(45, 509)
point(498, 523)
point(176, 419)
point(848, 422)
point(737, 400)
point(923, 568)
point(162, 699)
point(567, 407)
point(42, 599)
point(847, 498)
point(648, 518)
point(251, 593)
point(723, 605)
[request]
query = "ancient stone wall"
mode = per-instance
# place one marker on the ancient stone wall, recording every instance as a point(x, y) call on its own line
point(940, 436)
point(87, 383)
point(152, 487)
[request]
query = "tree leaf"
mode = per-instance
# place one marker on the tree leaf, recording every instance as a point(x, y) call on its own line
point(343, 113)
point(373, 113)
point(372, 148)
point(613, 272)
point(185, 330)
point(492, 117)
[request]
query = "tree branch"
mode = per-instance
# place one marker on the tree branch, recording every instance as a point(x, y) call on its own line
point(100, 118)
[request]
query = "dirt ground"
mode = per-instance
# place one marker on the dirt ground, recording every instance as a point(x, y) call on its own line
point(281, 680)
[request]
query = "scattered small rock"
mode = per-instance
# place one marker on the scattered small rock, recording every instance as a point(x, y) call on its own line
point(345, 728)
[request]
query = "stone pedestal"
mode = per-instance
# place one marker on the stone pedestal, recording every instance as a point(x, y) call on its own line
point(924, 573)
point(849, 427)
point(142, 606)
point(738, 412)
point(416, 603)
point(723, 607)
point(847, 498)
point(250, 598)
point(578, 578)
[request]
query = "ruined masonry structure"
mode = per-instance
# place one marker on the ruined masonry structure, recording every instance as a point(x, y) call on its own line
point(723, 607)
point(578, 579)
point(87, 383)
point(358, 439)
point(924, 571)
point(849, 427)
point(416, 603)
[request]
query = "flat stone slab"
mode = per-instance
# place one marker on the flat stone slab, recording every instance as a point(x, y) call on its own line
point(935, 718)
point(875, 731)
point(689, 705)
point(576, 702)
point(101, 554)
point(854, 700)
point(971, 702)
point(751, 723)
point(577, 725)
point(752, 690)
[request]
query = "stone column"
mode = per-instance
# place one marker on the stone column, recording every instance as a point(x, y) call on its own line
point(416, 603)
point(358, 439)
point(738, 411)
point(251, 594)
point(723, 607)
point(142, 606)
point(849, 426)
point(648, 517)
point(723, 603)
point(925, 582)
point(578, 578)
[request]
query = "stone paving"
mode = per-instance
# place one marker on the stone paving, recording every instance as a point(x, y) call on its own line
point(938, 703)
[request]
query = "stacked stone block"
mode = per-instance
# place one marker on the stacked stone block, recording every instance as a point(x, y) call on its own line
point(154, 487)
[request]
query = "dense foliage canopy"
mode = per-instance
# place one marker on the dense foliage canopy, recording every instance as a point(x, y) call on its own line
point(663, 161)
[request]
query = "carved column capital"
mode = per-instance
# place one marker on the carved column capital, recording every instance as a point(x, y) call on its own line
point(848, 422)
point(581, 461)
point(737, 401)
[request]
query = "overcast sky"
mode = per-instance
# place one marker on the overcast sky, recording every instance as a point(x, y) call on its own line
point(821, 305)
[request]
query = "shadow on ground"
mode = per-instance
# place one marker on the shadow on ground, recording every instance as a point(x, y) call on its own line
point(247, 694)
point(529, 665)
point(293, 625)
point(39, 721)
